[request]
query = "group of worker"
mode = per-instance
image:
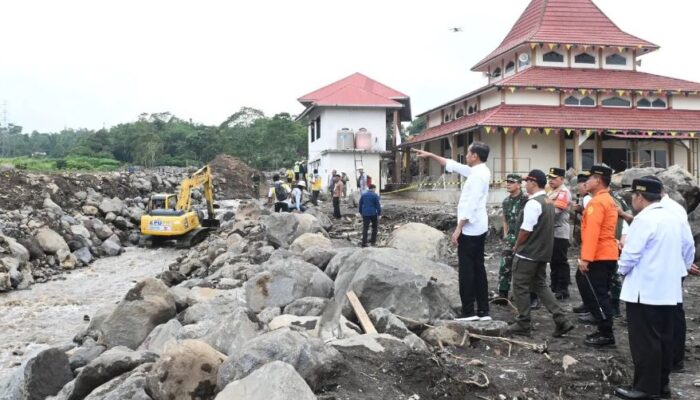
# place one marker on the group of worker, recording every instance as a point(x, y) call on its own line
point(653, 251)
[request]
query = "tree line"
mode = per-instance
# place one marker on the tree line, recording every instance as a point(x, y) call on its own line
point(159, 139)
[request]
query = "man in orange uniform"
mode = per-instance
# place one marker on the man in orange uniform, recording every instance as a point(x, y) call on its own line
point(599, 255)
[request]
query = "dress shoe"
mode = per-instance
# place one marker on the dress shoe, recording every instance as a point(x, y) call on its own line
point(666, 392)
point(631, 394)
point(562, 295)
point(535, 304)
point(580, 309)
point(587, 318)
point(563, 328)
point(518, 330)
point(678, 368)
point(600, 340)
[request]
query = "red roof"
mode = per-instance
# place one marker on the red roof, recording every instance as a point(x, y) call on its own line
point(596, 79)
point(565, 22)
point(599, 118)
point(348, 86)
point(355, 96)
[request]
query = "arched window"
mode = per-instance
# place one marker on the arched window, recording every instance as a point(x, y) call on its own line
point(510, 67)
point(616, 102)
point(616, 59)
point(496, 73)
point(571, 101)
point(553, 56)
point(644, 103)
point(584, 58)
point(448, 117)
point(658, 103)
point(460, 113)
point(588, 101)
point(470, 110)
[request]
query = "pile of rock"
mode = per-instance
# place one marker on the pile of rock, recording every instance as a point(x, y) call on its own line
point(258, 311)
point(60, 224)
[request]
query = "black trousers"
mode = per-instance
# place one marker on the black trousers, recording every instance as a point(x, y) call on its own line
point(651, 344)
point(336, 207)
point(314, 197)
point(560, 274)
point(679, 329)
point(281, 206)
point(473, 285)
point(600, 275)
point(365, 228)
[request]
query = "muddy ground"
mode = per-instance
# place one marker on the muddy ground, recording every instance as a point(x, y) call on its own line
point(513, 372)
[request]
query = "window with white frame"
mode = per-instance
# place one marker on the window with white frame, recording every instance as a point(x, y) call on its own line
point(553, 57)
point(584, 58)
point(616, 102)
point(579, 101)
point(448, 117)
point(616, 59)
point(651, 103)
point(496, 73)
point(510, 67)
point(460, 113)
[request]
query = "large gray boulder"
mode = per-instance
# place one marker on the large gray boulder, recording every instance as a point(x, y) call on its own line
point(405, 284)
point(50, 241)
point(234, 331)
point(186, 371)
point(144, 307)
point(309, 241)
point(312, 359)
point(281, 229)
point(46, 374)
point(319, 256)
point(276, 380)
point(114, 205)
point(338, 261)
point(110, 248)
point(419, 239)
point(83, 355)
point(307, 306)
point(162, 337)
point(107, 366)
point(681, 181)
point(11, 385)
point(283, 281)
point(130, 385)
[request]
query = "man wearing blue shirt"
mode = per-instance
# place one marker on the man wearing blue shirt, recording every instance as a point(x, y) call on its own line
point(371, 211)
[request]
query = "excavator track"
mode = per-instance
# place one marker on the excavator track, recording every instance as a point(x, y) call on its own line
point(192, 238)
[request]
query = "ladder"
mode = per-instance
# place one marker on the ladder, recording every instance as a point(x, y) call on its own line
point(357, 161)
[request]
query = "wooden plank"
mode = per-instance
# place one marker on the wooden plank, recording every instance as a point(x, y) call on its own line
point(360, 312)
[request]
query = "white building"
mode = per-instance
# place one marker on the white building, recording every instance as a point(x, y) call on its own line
point(353, 123)
point(565, 89)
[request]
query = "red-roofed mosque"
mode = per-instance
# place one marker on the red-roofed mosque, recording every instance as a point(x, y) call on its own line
point(564, 90)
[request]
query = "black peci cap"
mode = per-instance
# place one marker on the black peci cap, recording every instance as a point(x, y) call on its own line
point(583, 177)
point(601, 170)
point(556, 172)
point(647, 186)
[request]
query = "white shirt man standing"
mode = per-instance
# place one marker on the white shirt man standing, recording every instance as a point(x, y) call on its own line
point(472, 224)
point(656, 256)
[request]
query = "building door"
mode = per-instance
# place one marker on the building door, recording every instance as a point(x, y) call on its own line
point(617, 159)
point(587, 159)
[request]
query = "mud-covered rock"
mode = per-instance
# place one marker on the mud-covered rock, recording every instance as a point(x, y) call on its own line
point(419, 239)
point(276, 380)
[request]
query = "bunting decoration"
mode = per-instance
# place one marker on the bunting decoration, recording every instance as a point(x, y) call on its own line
point(547, 131)
point(569, 46)
point(568, 131)
point(528, 131)
point(533, 46)
point(512, 89)
point(552, 46)
point(692, 134)
point(488, 129)
point(673, 134)
point(650, 133)
point(506, 130)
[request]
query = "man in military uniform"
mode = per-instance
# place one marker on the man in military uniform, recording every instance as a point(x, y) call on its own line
point(512, 207)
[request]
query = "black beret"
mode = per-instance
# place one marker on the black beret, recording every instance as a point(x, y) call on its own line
point(537, 176)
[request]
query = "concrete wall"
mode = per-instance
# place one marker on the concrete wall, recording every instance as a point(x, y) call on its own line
point(345, 162)
point(335, 119)
point(490, 99)
point(681, 102)
point(531, 97)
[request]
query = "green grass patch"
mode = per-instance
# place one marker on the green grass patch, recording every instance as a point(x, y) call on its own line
point(81, 163)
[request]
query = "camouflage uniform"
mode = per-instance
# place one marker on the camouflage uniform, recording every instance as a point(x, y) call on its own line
point(512, 208)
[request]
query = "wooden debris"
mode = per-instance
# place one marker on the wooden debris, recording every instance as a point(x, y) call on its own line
point(360, 312)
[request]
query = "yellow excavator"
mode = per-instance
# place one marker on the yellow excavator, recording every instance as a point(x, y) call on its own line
point(172, 218)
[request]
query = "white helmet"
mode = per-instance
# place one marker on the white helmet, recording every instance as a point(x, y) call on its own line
point(301, 183)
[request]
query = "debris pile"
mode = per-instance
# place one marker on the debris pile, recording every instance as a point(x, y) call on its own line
point(234, 179)
point(57, 222)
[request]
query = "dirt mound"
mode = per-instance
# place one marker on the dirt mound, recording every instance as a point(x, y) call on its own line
point(234, 179)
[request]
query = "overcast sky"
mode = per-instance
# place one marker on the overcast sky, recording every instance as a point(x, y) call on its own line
point(98, 63)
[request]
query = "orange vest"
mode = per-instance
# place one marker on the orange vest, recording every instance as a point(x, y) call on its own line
point(598, 241)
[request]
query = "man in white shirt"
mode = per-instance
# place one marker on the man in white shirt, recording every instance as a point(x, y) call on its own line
point(472, 226)
point(656, 256)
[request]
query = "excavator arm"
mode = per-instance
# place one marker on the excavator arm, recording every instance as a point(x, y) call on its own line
point(202, 178)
